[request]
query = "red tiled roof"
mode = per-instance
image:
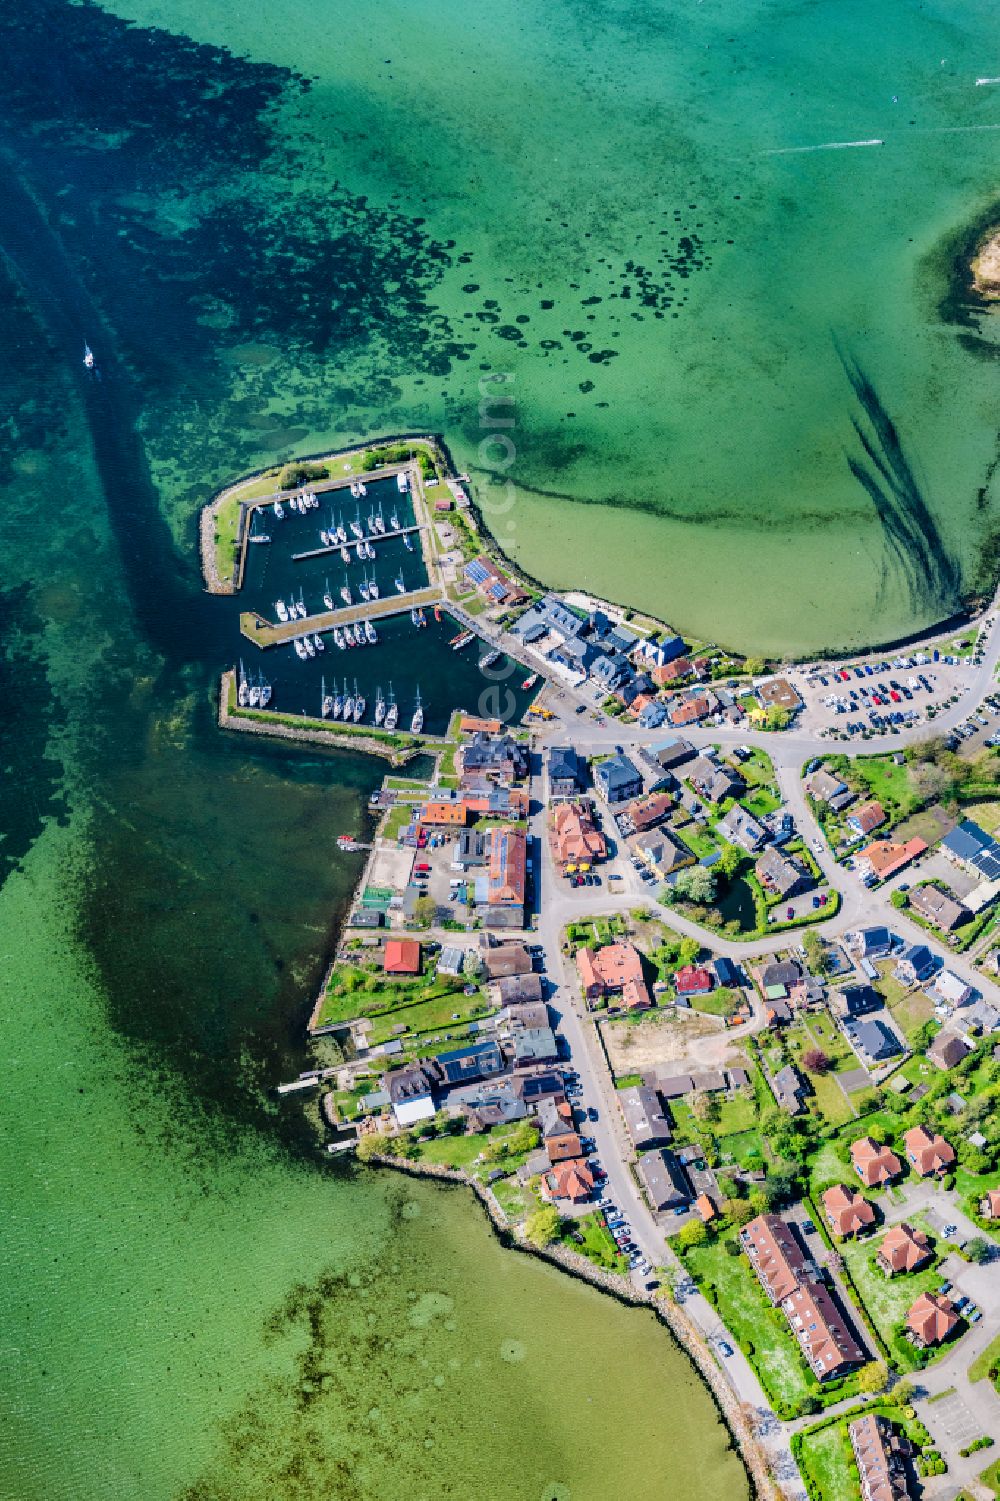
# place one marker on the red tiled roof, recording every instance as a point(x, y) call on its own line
point(886, 856)
point(690, 980)
point(875, 1164)
point(903, 1249)
point(569, 1180)
point(928, 1154)
point(932, 1318)
point(402, 956)
point(848, 1211)
point(869, 816)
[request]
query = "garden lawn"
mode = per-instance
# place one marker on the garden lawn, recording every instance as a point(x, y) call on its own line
point(828, 1169)
point(755, 1325)
point(397, 819)
point(698, 839)
point(910, 1012)
point(887, 1299)
point(828, 1462)
point(760, 800)
point(743, 1147)
point(598, 1244)
point(888, 783)
point(428, 1016)
point(353, 992)
point(720, 1002)
point(830, 1100)
point(979, 1370)
point(514, 1200)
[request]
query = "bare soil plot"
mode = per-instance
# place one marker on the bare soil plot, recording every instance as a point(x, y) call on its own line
point(678, 1040)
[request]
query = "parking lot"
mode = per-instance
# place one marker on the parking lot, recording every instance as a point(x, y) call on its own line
point(882, 696)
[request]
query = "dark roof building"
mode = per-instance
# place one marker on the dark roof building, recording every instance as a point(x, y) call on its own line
point(873, 1040)
point(971, 846)
point(645, 1117)
point(566, 771)
point(666, 1183)
point(465, 1065)
point(617, 779)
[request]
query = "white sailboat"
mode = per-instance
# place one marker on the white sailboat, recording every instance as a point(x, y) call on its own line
point(345, 555)
point(300, 650)
point(310, 649)
point(379, 707)
point(264, 691)
point(348, 709)
point(301, 607)
point(363, 586)
point(392, 712)
point(359, 704)
point(341, 530)
point(417, 722)
point(394, 521)
point(373, 587)
point(328, 597)
point(345, 592)
point(371, 634)
point(279, 510)
point(281, 609)
point(370, 552)
point(400, 584)
point(325, 701)
point(407, 542)
point(88, 357)
point(356, 526)
point(338, 638)
point(241, 691)
point(318, 642)
point(338, 702)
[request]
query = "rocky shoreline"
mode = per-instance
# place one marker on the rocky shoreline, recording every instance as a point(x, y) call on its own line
point(985, 267)
point(758, 1471)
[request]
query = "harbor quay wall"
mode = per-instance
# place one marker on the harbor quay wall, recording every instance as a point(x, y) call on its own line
point(367, 745)
point(685, 1333)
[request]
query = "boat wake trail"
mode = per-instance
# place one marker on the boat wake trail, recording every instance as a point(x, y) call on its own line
point(931, 573)
point(826, 146)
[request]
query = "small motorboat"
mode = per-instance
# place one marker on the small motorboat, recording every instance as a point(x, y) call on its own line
point(88, 357)
point(279, 510)
point(300, 650)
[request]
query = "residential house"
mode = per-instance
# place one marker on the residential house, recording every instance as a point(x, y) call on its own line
point(915, 964)
point(973, 849)
point(951, 989)
point(520, 1016)
point(847, 1212)
point(884, 857)
point(495, 587)
point(870, 943)
point(567, 772)
point(614, 969)
point(451, 960)
point(617, 779)
point(401, 956)
point(444, 813)
point(666, 1184)
point(500, 959)
point(880, 1456)
point(775, 1255)
point(674, 1086)
point(929, 1154)
point(549, 616)
point(781, 875)
point(948, 1049)
point(498, 758)
point(874, 1163)
point(823, 785)
point(488, 1103)
point(536, 1087)
point(657, 653)
point(989, 1204)
point(741, 828)
point(481, 1060)
point(824, 1336)
point(873, 1040)
point(706, 1208)
point(789, 1089)
point(661, 851)
point(726, 973)
point(469, 849)
point(693, 979)
point(571, 1180)
point(517, 990)
point(690, 708)
point(670, 754)
point(777, 1013)
point(714, 780)
point(575, 837)
point(856, 1000)
point(501, 888)
point(411, 1093)
point(532, 1045)
point(778, 693)
point(653, 714)
point(866, 818)
point(903, 1249)
point(649, 812)
point(610, 670)
point(938, 907)
point(646, 1119)
point(931, 1319)
point(778, 979)
point(668, 674)
point(559, 1137)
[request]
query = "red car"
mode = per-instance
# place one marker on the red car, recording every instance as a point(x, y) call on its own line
point(897, 698)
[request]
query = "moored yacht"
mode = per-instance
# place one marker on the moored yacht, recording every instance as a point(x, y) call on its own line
point(379, 707)
point(402, 481)
point(281, 609)
point(300, 650)
point(348, 709)
point(417, 722)
point(359, 703)
point(242, 689)
point(310, 649)
point(373, 587)
point(264, 690)
point(338, 638)
point(400, 584)
point(345, 592)
point(407, 542)
point(345, 555)
point(318, 642)
point(325, 701)
point(363, 586)
point(391, 712)
point(356, 526)
point(371, 634)
point(328, 597)
point(279, 510)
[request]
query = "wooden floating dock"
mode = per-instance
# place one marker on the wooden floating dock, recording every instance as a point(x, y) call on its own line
point(265, 633)
point(351, 543)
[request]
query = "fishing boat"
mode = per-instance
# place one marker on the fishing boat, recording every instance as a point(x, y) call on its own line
point(407, 542)
point(310, 649)
point(379, 707)
point(417, 722)
point(281, 609)
point(530, 680)
point(348, 709)
point(300, 650)
point(338, 638)
point(391, 712)
point(328, 597)
point(279, 510)
point(345, 592)
point(241, 691)
point(371, 634)
point(356, 526)
point(400, 585)
point(318, 642)
point(488, 658)
point(359, 703)
point(402, 481)
point(88, 357)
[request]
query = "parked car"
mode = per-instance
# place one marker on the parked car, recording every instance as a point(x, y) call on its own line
point(725, 1348)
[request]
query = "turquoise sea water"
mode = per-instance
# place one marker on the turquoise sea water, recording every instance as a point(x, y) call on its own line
point(281, 228)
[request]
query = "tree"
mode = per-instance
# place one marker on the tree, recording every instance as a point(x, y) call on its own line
point(697, 884)
point(873, 1377)
point(815, 1060)
point(902, 1393)
point(424, 911)
point(699, 1105)
point(739, 1211)
point(817, 953)
point(372, 1144)
point(979, 1250)
point(687, 951)
point(777, 718)
point(930, 781)
point(542, 1227)
point(777, 1189)
point(754, 666)
point(692, 1234)
point(729, 861)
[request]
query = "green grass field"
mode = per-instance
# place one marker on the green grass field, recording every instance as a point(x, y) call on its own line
point(980, 1367)
point(828, 1462)
point(887, 1299)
